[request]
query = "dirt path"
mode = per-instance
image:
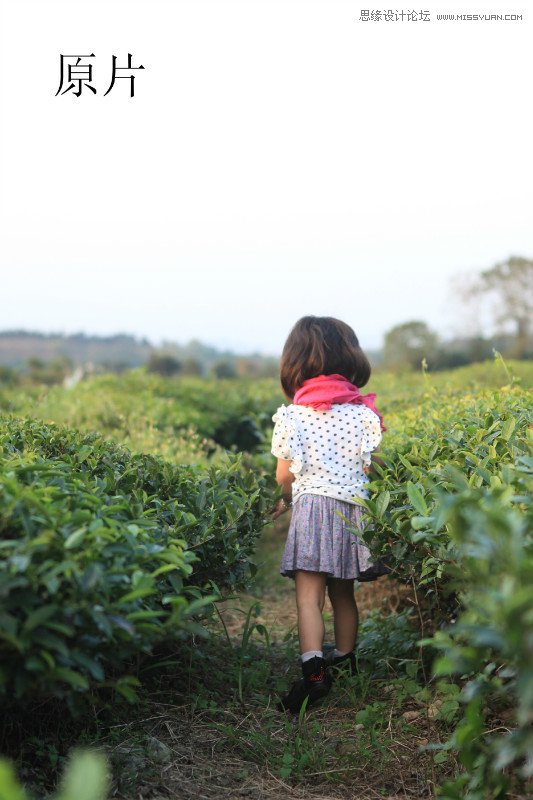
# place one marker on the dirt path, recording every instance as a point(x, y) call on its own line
point(254, 752)
point(223, 738)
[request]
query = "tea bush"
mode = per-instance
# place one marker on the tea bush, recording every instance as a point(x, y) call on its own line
point(444, 438)
point(105, 553)
point(86, 777)
point(451, 512)
point(187, 420)
point(490, 646)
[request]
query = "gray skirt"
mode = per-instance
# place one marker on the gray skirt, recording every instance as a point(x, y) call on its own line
point(319, 540)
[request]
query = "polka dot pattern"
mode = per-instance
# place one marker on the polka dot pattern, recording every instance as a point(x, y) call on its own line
point(329, 450)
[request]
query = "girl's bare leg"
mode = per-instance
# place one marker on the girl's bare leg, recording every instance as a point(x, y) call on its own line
point(345, 614)
point(310, 597)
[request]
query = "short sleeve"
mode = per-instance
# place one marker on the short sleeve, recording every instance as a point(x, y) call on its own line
point(281, 434)
point(371, 436)
point(286, 442)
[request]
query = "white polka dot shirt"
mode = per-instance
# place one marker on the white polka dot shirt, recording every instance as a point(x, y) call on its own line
point(329, 450)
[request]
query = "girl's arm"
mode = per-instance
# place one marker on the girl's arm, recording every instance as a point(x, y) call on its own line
point(370, 471)
point(284, 478)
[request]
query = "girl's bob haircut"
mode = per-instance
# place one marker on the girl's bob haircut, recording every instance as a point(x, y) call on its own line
point(321, 346)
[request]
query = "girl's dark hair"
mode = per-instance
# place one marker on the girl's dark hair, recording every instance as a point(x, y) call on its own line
point(321, 346)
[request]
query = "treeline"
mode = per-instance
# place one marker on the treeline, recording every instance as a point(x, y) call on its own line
point(52, 358)
point(503, 293)
point(413, 344)
point(114, 352)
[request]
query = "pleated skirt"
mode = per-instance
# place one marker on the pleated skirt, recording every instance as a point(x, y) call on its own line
point(321, 540)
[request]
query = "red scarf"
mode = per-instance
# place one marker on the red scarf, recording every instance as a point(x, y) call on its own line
point(324, 390)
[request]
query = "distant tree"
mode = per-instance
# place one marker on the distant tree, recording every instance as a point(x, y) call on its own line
point(509, 285)
point(163, 364)
point(478, 348)
point(51, 372)
point(407, 344)
point(247, 367)
point(270, 367)
point(8, 376)
point(446, 358)
point(224, 369)
point(61, 366)
point(191, 366)
point(35, 364)
point(464, 350)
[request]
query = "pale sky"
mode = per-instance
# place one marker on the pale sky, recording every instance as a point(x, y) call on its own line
point(279, 158)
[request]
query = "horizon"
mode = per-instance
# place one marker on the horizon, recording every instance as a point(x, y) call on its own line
point(142, 339)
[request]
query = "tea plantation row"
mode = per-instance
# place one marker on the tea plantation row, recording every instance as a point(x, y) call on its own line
point(184, 420)
point(452, 513)
point(105, 553)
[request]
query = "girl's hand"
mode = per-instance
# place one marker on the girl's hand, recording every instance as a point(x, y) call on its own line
point(285, 479)
point(280, 508)
point(369, 469)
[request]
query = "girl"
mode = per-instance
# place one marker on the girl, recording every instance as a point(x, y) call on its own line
point(323, 441)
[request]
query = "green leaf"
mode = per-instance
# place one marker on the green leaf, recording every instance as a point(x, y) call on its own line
point(93, 667)
point(10, 789)
point(421, 523)
point(39, 616)
point(74, 679)
point(145, 591)
point(87, 777)
point(382, 503)
point(75, 538)
point(165, 568)
point(416, 498)
point(508, 428)
point(126, 686)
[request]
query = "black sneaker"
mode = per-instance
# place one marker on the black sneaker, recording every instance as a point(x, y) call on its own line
point(343, 663)
point(315, 685)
